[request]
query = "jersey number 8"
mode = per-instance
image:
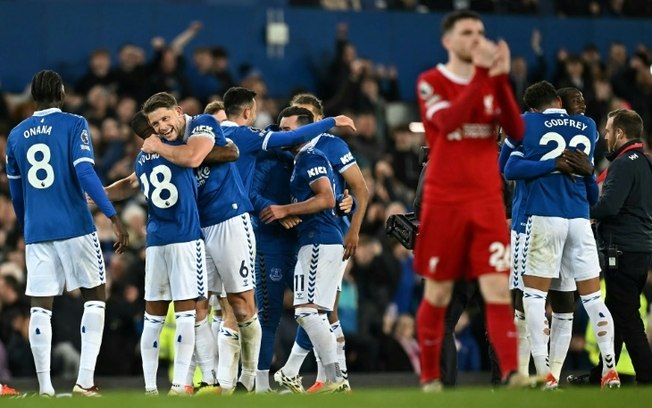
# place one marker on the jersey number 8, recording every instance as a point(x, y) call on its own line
point(42, 165)
point(160, 184)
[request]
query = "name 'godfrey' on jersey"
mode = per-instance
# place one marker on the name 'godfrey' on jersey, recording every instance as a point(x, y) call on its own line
point(547, 135)
point(221, 192)
point(171, 193)
point(47, 175)
point(310, 165)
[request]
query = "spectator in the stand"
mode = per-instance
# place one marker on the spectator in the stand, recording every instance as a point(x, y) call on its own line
point(222, 70)
point(574, 74)
point(131, 72)
point(168, 73)
point(522, 76)
point(202, 77)
point(405, 157)
point(99, 72)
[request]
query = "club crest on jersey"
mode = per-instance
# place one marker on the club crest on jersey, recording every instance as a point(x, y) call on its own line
point(488, 102)
point(84, 137)
point(425, 90)
point(315, 171)
point(203, 129)
point(276, 274)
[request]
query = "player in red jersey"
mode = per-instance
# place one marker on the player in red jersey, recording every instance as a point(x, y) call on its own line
point(463, 230)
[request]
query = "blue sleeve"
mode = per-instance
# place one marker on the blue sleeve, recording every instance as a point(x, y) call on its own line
point(260, 179)
point(92, 185)
point(518, 168)
point(16, 191)
point(506, 149)
point(592, 190)
point(297, 136)
point(206, 126)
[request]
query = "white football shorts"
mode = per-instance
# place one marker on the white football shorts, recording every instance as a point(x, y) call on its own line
point(230, 255)
point(318, 274)
point(73, 263)
point(176, 271)
point(561, 248)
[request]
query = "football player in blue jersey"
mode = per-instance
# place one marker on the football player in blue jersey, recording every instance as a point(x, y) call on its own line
point(205, 349)
point(175, 258)
point(277, 243)
point(224, 213)
point(347, 174)
point(559, 241)
point(562, 292)
point(50, 166)
point(230, 244)
point(319, 268)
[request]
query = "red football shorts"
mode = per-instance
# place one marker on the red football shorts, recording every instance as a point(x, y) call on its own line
point(462, 241)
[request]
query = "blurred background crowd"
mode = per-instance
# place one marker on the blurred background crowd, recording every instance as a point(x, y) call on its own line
point(380, 291)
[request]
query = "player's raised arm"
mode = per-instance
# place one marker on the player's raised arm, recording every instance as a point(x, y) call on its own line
point(305, 133)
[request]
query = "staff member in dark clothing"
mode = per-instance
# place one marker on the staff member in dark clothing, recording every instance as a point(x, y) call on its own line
point(624, 215)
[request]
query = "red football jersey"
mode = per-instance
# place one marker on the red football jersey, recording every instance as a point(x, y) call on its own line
point(461, 119)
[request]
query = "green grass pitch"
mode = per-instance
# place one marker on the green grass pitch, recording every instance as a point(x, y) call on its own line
point(366, 398)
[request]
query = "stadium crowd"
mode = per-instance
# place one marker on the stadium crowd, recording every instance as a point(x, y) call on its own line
point(380, 291)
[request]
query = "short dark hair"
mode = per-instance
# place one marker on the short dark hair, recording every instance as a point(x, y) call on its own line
point(47, 87)
point(539, 94)
point(304, 116)
point(159, 100)
point(628, 121)
point(140, 125)
point(214, 107)
point(565, 95)
point(450, 19)
point(236, 99)
point(308, 99)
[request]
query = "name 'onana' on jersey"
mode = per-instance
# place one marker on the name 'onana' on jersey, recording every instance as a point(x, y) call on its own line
point(42, 151)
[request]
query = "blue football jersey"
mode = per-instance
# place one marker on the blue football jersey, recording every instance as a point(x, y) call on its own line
point(271, 186)
point(42, 151)
point(171, 193)
point(547, 135)
point(519, 194)
point(323, 227)
point(340, 157)
point(221, 193)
